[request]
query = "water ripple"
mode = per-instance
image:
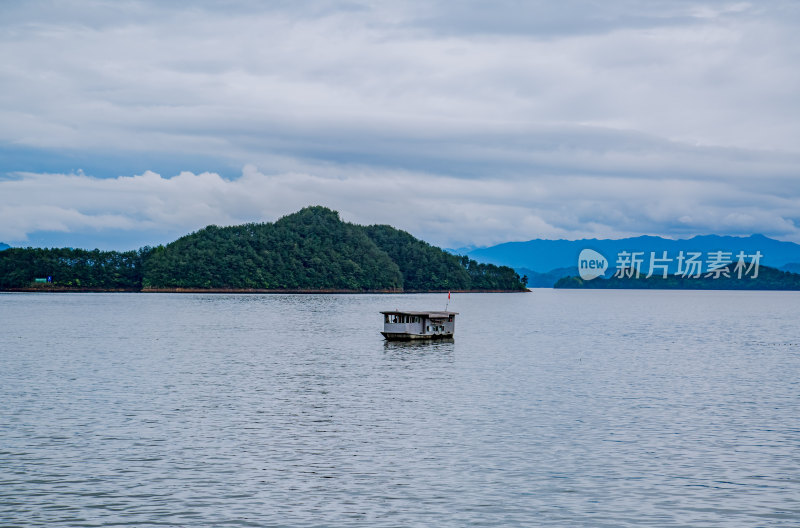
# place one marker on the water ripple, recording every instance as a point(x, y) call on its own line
point(554, 408)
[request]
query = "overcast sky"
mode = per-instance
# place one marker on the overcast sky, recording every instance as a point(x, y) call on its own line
point(125, 123)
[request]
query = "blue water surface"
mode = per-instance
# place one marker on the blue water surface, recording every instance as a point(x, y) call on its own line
point(551, 408)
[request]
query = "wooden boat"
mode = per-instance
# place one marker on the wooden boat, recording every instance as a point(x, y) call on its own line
point(405, 326)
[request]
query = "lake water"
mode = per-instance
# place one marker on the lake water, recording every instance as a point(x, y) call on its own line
point(552, 408)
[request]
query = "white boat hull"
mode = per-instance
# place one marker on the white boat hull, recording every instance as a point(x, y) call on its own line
point(402, 336)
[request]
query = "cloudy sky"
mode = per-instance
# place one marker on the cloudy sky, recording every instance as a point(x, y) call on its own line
point(125, 123)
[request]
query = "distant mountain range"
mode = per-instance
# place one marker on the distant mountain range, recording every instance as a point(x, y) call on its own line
point(545, 261)
point(4, 246)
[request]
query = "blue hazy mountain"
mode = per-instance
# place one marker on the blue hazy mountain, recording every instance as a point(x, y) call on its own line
point(793, 267)
point(544, 256)
point(546, 279)
point(4, 246)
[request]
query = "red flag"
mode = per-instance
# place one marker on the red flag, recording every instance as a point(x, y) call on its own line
point(448, 295)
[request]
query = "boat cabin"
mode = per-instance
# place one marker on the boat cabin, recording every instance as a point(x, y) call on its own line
point(403, 326)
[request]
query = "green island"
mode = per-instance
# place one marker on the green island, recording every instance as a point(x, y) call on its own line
point(312, 250)
point(767, 279)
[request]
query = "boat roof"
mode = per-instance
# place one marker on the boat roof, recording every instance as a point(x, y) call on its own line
point(432, 315)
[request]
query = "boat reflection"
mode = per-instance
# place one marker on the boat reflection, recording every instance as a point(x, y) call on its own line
point(418, 345)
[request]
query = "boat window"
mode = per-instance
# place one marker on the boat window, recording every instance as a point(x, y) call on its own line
point(385, 318)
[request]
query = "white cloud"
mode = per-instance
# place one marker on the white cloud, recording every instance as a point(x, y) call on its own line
point(463, 124)
point(444, 210)
point(180, 80)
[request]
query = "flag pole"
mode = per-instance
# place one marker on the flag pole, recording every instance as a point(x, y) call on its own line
point(448, 301)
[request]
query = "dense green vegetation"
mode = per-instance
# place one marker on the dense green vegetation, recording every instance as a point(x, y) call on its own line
point(72, 268)
point(768, 279)
point(425, 267)
point(308, 250)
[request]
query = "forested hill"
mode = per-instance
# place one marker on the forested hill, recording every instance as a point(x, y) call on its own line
point(425, 267)
point(312, 249)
